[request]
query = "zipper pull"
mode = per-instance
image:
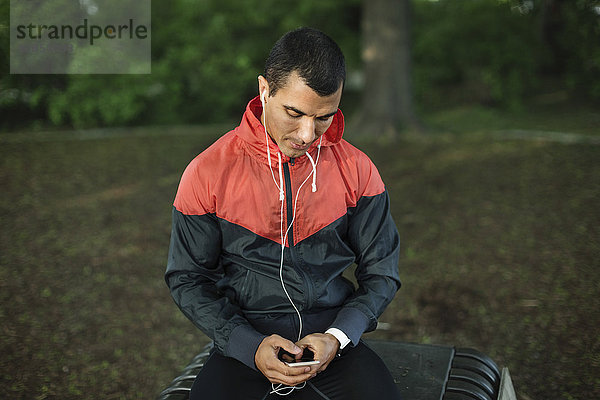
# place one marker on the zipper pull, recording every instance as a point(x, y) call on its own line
point(292, 161)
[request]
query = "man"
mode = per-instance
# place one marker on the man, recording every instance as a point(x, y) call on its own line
point(264, 223)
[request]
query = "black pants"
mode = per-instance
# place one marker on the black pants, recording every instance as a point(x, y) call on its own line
point(357, 375)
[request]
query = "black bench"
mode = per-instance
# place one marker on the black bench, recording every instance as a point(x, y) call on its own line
point(422, 372)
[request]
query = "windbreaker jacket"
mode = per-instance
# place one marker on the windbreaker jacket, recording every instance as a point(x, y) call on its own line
point(228, 223)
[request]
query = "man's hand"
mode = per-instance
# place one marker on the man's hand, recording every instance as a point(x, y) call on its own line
point(275, 370)
point(323, 345)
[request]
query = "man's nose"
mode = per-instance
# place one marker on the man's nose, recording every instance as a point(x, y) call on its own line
point(307, 130)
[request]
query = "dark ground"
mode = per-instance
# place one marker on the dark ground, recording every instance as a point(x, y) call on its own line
point(501, 246)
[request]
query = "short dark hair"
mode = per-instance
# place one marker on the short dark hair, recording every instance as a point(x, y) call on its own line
point(316, 58)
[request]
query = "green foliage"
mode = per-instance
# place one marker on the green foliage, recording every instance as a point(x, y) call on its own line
point(479, 48)
point(207, 54)
point(579, 41)
point(95, 101)
point(206, 57)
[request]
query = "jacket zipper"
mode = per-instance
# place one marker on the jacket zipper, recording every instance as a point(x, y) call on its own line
point(289, 198)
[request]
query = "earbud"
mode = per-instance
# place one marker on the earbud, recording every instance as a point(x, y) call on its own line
point(262, 97)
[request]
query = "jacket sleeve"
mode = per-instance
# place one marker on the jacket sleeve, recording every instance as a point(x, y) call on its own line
point(374, 239)
point(193, 271)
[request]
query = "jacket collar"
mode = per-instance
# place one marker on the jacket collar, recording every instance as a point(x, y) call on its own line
point(252, 132)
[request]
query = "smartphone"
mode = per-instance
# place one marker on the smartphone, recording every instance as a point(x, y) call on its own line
point(301, 363)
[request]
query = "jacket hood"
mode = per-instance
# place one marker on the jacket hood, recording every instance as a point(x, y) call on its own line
point(252, 132)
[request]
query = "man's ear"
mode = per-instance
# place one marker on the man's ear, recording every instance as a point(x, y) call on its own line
point(263, 88)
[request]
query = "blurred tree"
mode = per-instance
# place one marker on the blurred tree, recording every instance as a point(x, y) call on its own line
point(474, 51)
point(206, 56)
point(23, 98)
point(387, 105)
point(570, 31)
point(551, 25)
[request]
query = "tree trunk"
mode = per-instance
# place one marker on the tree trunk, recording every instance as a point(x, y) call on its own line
point(552, 26)
point(387, 104)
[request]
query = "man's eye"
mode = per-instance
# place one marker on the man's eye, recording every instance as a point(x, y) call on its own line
point(324, 119)
point(294, 115)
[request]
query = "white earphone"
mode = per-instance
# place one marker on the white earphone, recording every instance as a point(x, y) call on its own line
point(262, 97)
point(281, 389)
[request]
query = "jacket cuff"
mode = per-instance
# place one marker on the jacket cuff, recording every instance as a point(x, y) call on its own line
point(341, 337)
point(243, 343)
point(352, 322)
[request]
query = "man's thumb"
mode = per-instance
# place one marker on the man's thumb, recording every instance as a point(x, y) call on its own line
point(287, 345)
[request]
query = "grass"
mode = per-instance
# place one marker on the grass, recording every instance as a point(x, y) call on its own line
point(500, 253)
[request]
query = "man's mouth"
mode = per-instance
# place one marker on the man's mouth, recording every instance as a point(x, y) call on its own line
point(298, 146)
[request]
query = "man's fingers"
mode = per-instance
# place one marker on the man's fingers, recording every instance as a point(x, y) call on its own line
point(290, 380)
point(288, 346)
point(277, 342)
point(323, 346)
point(275, 370)
point(305, 343)
point(279, 366)
point(293, 371)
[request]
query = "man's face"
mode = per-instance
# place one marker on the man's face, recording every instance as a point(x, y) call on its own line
point(296, 115)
